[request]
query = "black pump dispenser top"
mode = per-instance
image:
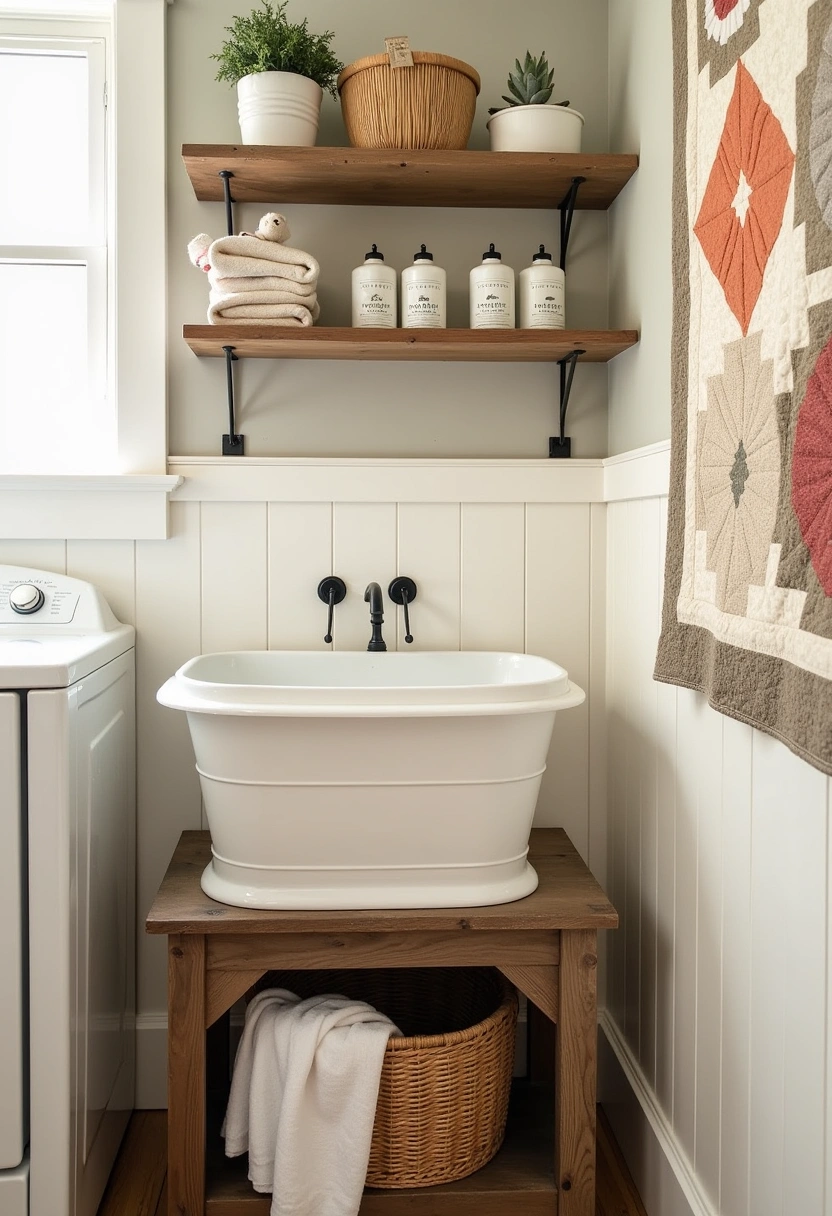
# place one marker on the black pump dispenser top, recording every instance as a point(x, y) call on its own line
point(423, 255)
point(491, 252)
point(542, 255)
point(374, 253)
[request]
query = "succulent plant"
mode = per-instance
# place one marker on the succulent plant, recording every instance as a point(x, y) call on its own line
point(530, 83)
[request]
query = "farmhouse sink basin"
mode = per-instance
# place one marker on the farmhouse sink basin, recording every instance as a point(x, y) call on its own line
point(360, 780)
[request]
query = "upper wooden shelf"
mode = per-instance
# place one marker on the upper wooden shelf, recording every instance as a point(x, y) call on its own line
point(456, 345)
point(390, 178)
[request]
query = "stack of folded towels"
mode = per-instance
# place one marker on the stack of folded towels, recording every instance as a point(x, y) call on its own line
point(303, 1099)
point(256, 277)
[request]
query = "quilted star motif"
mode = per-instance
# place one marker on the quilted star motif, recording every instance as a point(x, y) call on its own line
point(742, 209)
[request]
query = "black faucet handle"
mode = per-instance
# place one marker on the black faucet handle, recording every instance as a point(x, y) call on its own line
point(332, 591)
point(403, 591)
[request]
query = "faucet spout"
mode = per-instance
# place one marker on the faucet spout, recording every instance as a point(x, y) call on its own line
point(373, 596)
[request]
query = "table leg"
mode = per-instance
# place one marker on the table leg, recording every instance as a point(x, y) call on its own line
point(186, 1075)
point(576, 1073)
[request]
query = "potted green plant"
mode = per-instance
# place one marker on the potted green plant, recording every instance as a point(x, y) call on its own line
point(280, 70)
point(528, 123)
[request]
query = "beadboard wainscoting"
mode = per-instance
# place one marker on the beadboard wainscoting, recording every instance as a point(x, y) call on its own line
point(506, 555)
point(717, 997)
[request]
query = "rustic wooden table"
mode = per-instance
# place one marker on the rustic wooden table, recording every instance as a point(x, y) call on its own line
point(545, 944)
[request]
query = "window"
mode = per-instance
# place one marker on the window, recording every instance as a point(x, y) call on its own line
point(57, 409)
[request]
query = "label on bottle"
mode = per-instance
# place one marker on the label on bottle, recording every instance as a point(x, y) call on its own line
point(423, 305)
point(374, 303)
point(492, 305)
point(546, 304)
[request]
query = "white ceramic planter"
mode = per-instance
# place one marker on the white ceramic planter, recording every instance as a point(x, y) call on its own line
point(279, 108)
point(536, 129)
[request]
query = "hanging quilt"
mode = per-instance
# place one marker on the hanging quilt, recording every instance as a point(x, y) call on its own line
point(748, 589)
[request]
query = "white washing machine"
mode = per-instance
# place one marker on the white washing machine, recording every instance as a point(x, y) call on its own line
point(67, 892)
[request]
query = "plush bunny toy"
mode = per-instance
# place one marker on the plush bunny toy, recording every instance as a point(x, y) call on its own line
point(273, 227)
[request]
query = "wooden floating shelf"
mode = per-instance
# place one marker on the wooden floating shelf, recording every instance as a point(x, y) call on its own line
point(452, 345)
point(520, 1178)
point(390, 178)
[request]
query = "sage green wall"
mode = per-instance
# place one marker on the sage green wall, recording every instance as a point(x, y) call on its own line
point(376, 409)
point(641, 120)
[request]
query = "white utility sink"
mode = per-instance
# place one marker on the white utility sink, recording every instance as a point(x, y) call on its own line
point(359, 780)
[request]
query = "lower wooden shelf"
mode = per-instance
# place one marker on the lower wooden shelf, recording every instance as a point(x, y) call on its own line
point(520, 1178)
point(457, 345)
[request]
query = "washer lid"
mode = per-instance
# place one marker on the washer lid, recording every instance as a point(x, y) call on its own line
point(57, 662)
point(54, 630)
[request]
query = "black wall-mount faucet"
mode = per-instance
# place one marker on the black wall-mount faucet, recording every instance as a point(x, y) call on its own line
point(375, 599)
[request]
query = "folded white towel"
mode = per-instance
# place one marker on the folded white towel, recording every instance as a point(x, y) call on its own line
point(262, 282)
point(261, 307)
point(303, 1099)
point(247, 255)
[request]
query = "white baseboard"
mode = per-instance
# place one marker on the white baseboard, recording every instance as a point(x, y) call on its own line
point(662, 1171)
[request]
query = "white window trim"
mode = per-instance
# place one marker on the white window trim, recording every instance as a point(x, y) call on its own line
point(132, 503)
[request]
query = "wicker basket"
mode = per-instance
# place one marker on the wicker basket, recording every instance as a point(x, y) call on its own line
point(443, 1098)
point(430, 105)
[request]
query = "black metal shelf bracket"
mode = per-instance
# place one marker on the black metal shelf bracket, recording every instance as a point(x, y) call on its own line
point(567, 211)
point(232, 443)
point(226, 176)
point(559, 445)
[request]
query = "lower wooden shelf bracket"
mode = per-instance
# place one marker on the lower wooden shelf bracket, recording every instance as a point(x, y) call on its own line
point(560, 445)
point(232, 443)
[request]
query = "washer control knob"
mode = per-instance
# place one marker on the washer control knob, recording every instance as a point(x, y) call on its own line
point(25, 598)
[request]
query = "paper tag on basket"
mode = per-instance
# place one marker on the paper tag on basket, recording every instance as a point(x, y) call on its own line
point(399, 52)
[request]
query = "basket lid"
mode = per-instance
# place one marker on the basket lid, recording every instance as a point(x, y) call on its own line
point(442, 61)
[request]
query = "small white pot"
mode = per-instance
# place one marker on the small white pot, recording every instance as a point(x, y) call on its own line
point(536, 129)
point(279, 108)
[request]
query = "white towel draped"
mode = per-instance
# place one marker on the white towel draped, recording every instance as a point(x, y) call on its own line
point(303, 1099)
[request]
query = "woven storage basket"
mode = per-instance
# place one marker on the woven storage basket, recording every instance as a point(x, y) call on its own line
point(430, 105)
point(443, 1098)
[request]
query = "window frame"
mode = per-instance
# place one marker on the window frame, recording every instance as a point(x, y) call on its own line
point(64, 506)
point(92, 40)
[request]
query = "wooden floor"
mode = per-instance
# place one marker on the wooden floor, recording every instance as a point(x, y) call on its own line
point(137, 1187)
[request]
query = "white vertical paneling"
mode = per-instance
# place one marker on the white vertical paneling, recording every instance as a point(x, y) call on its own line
point(493, 576)
point(168, 634)
point(616, 634)
point(709, 951)
point(597, 826)
point(735, 1038)
point(802, 832)
point(632, 675)
point(648, 535)
point(111, 566)
point(689, 761)
point(665, 864)
point(429, 553)
point(36, 554)
point(300, 555)
point(557, 627)
point(737, 977)
point(363, 551)
point(234, 576)
point(770, 797)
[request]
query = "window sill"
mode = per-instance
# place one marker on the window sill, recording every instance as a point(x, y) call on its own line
point(132, 506)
